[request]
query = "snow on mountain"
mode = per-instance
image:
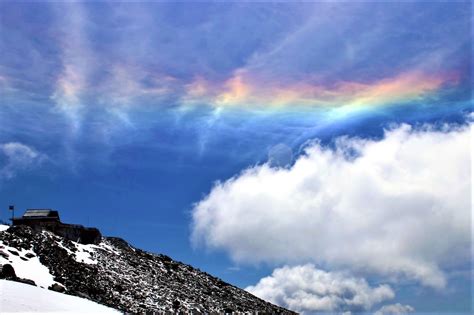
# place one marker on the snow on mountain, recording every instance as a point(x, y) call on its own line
point(18, 297)
point(114, 273)
point(3, 227)
point(27, 265)
point(83, 253)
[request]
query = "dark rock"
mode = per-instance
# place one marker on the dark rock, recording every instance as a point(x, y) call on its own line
point(14, 252)
point(59, 279)
point(176, 304)
point(25, 281)
point(82, 295)
point(7, 272)
point(29, 255)
point(57, 287)
point(118, 288)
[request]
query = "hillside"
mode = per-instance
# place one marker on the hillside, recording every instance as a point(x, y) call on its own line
point(116, 274)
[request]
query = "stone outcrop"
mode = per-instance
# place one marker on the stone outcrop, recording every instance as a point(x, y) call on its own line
point(7, 272)
point(72, 232)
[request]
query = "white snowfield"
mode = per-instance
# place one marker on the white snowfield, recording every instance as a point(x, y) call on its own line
point(3, 227)
point(17, 298)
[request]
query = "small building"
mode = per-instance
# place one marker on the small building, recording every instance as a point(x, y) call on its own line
point(48, 219)
point(37, 216)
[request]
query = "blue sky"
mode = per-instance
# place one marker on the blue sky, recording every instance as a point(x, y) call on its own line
point(125, 115)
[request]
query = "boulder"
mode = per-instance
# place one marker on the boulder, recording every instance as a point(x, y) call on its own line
point(7, 272)
point(25, 281)
point(176, 304)
point(14, 252)
point(57, 287)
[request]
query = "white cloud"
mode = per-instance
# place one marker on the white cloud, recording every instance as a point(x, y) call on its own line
point(395, 309)
point(18, 157)
point(307, 289)
point(399, 208)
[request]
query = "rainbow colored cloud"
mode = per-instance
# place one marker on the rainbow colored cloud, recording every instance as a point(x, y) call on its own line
point(243, 92)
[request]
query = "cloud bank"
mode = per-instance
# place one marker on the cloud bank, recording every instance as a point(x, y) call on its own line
point(308, 289)
point(397, 207)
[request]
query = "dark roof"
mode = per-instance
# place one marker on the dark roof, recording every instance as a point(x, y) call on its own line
point(35, 213)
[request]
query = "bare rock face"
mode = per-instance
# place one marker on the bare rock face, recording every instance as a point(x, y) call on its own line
point(72, 232)
point(114, 273)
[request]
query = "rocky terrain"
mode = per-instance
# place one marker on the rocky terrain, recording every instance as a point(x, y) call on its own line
point(116, 274)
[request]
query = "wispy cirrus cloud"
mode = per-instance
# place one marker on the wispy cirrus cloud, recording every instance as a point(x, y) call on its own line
point(127, 87)
point(122, 60)
point(77, 63)
point(18, 158)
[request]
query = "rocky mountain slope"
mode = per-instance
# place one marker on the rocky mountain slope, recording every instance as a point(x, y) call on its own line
point(116, 274)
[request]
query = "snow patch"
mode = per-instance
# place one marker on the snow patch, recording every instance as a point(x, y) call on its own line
point(109, 248)
point(86, 253)
point(28, 268)
point(18, 297)
point(3, 227)
point(60, 244)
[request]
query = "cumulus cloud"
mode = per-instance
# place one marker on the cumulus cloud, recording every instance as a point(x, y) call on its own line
point(18, 157)
point(308, 289)
point(397, 207)
point(395, 309)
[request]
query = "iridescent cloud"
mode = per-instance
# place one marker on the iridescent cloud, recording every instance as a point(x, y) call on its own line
point(244, 92)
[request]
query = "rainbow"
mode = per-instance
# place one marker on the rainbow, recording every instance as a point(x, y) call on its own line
point(241, 91)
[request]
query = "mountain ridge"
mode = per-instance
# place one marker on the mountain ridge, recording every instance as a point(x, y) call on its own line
point(116, 274)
